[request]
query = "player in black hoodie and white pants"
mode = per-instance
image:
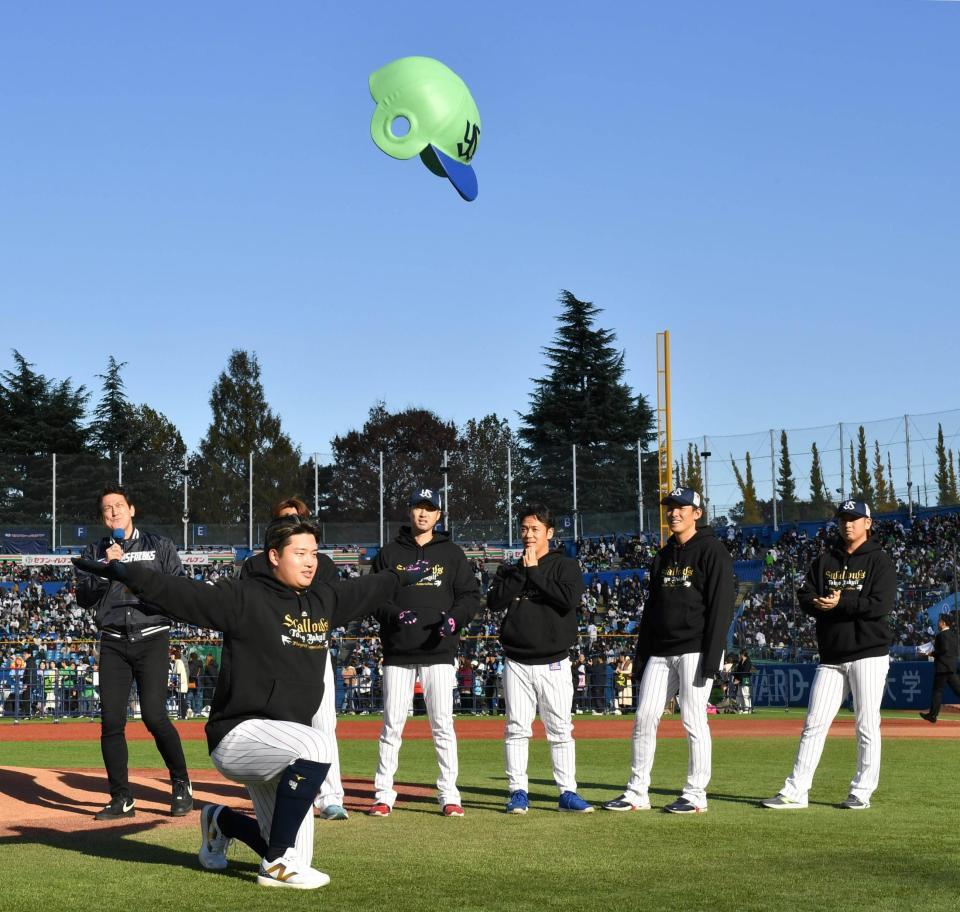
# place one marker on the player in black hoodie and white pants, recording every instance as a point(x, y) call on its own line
point(541, 596)
point(849, 590)
point(259, 733)
point(422, 642)
point(680, 647)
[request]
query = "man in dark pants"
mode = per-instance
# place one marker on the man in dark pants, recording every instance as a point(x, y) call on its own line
point(945, 666)
point(134, 646)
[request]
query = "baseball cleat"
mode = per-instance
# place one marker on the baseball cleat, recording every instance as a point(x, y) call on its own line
point(334, 812)
point(571, 801)
point(684, 806)
point(853, 803)
point(181, 802)
point(519, 802)
point(213, 844)
point(625, 804)
point(116, 809)
point(452, 810)
point(290, 871)
point(380, 810)
point(929, 717)
point(783, 803)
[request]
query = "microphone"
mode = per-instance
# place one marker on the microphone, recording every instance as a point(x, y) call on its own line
point(117, 538)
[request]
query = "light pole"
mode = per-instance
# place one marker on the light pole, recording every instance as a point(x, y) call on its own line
point(705, 455)
point(186, 505)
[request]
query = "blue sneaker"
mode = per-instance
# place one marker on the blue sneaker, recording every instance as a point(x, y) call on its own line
point(571, 801)
point(519, 802)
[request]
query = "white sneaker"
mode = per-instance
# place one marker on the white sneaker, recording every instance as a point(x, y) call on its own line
point(290, 871)
point(213, 844)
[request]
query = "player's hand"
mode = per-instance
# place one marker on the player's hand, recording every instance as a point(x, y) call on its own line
point(448, 625)
point(530, 556)
point(827, 602)
point(115, 570)
point(407, 617)
point(114, 552)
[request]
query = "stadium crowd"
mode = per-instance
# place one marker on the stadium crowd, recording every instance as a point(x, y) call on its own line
point(40, 628)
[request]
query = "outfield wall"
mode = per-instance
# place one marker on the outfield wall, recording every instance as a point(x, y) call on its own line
point(908, 686)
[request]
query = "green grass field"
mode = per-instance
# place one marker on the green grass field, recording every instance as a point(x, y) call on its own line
point(903, 853)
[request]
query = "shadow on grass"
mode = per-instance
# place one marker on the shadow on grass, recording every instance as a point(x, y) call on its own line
point(111, 843)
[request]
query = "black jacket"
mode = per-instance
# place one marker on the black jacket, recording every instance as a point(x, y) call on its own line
point(945, 652)
point(274, 637)
point(691, 601)
point(541, 602)
point(119, 611)
point(867, 582)
point(450, 587)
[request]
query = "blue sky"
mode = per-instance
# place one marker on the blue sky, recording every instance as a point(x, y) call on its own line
point(776, 183)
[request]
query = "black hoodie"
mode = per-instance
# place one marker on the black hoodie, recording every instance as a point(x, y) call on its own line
point(691, 601)
point(540, 625)
point(867, 582)
point(450, 587)
point(274, 637)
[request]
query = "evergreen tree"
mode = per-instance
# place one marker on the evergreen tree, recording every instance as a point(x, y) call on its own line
point(884, 502)
point(786, 485)
point(749, 509)
point(864, 480)
point(242, 423)
point(110, 430)
point(951, 479)
point(40, 417)
point(412, 443)
point(820, 500)
point(942, 476)
point(852, 491)
point(583, 400)
point(890, 488)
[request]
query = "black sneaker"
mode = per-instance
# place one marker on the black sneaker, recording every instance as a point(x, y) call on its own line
point(181, 803)
point(116, 809)
point(929, 717)
point(683, 806)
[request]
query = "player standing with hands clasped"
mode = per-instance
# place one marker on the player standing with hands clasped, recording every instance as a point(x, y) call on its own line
point(275, 642)
point(422, 642)
point(541, 596)
point(680, 648)
point(849, 590)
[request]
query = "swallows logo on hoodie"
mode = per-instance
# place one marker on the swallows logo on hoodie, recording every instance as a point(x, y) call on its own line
point(305, 633)
point(431, 579)
point(675, 577)
point(838, 580)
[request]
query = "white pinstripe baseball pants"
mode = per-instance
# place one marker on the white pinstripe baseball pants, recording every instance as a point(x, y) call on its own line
point(438, 682)
point(866, 680)
point(325, 719)
point(663, 678)
point(257, 752)
point(525, 687)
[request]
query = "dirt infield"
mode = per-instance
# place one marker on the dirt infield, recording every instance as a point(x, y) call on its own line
point(492, 729)
point(57, 801)
point(46, 803)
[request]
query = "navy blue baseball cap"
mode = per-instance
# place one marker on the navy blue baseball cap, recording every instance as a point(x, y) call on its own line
point(683, 497)
point(423, 494)
point(858, 508)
